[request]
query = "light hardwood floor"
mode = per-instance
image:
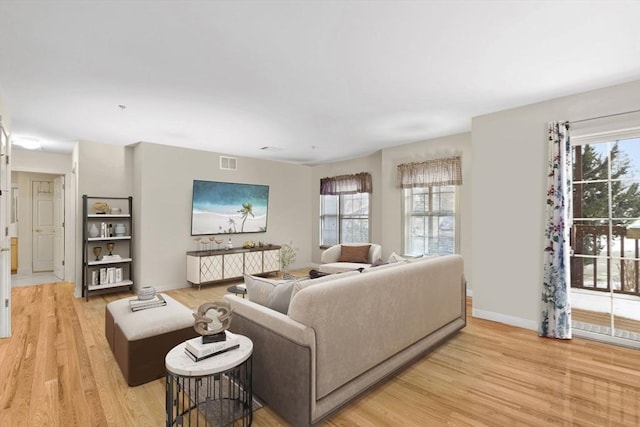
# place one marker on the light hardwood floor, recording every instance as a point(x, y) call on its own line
point(57, 370)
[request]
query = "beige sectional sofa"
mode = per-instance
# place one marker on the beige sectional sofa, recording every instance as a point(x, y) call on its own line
point(342, 336)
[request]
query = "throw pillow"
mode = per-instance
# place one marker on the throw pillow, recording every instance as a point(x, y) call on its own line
point(378, 263)
point(394, 257)
point(274, 294)
point(359, 254)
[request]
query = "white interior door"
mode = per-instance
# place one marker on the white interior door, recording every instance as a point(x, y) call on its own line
point(5, 245)
point(58, 224)
point(42, 226)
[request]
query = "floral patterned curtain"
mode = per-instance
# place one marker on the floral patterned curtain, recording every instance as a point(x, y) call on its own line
point(555, 319)
point(346, 184)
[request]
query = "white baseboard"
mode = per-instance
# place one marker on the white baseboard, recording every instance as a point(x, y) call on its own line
point(503, 318)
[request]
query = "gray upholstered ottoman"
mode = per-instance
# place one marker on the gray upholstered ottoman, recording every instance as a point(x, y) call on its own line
point(140, 340)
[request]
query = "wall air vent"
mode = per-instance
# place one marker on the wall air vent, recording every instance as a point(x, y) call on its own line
point(228, 163)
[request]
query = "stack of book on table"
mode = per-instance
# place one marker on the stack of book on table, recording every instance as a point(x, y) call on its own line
point(138, 304)
point(197, 351)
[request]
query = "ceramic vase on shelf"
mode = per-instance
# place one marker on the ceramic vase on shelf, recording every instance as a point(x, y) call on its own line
point(120, 230)
point(93, 231)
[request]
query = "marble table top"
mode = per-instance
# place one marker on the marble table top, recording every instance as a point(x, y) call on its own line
point(178, 363)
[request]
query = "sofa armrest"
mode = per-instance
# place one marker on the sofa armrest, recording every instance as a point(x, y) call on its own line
point(283, 359)
point(375, 253)
point(270, 319)
point(331, 254)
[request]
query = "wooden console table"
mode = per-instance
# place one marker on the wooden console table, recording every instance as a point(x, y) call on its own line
point(204, 267)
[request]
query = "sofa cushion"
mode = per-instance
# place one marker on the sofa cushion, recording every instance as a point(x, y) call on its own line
point(271, 293)
point(358, 254)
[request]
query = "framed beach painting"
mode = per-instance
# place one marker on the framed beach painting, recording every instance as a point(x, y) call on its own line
point(228, 208)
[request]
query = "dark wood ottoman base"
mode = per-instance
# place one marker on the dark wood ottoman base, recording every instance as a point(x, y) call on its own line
point(139, 343)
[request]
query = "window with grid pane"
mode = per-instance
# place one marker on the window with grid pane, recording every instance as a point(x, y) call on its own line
point(430, 220)
point(344, 218)
point(606, 207)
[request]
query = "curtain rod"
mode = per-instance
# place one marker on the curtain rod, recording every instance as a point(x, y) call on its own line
point(603, 117)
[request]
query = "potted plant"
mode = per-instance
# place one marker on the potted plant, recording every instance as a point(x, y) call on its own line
point(287, 255)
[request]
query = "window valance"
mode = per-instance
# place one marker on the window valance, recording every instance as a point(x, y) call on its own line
point(445, 171)
point(346, 184)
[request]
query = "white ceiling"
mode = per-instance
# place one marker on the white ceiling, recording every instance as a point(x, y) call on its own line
point(317, 81)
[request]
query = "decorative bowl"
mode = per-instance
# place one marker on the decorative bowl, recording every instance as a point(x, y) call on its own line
point(146, 293)
point(101, 207)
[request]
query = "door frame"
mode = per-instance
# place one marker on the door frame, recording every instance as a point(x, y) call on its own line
point(5, 245)
point(69, 215)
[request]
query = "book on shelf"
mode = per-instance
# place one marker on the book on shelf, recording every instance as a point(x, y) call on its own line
point(197, 359)
point(198, 349)
point(156, 301)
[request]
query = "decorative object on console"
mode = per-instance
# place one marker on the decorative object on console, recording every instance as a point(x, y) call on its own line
point(218, 241)
point(212, 329)
point(116, 211)
point(93, 230)
point(97, 250)
point(110, 247)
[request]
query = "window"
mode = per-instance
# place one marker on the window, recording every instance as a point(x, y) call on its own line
point(430, 205)
point(606, 209)
point(344, 219)
point(344, 209)
point(430, 220)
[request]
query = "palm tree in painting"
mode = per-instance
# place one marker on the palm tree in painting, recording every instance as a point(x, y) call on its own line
point(247, 209)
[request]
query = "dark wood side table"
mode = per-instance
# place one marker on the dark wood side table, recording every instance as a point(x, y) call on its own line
point(237, 291)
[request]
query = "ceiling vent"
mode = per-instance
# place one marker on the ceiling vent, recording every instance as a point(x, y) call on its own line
point(228, 163)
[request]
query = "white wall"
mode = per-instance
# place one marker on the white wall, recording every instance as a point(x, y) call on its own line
point(369, 164)
point(391, 208)
point(509, 183)
point(42, 162)
point(163, 183)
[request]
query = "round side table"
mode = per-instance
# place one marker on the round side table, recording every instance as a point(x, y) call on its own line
point(213, 391)
point(237, 290)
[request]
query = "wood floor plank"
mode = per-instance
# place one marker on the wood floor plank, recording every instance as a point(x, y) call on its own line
point(58, 370)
